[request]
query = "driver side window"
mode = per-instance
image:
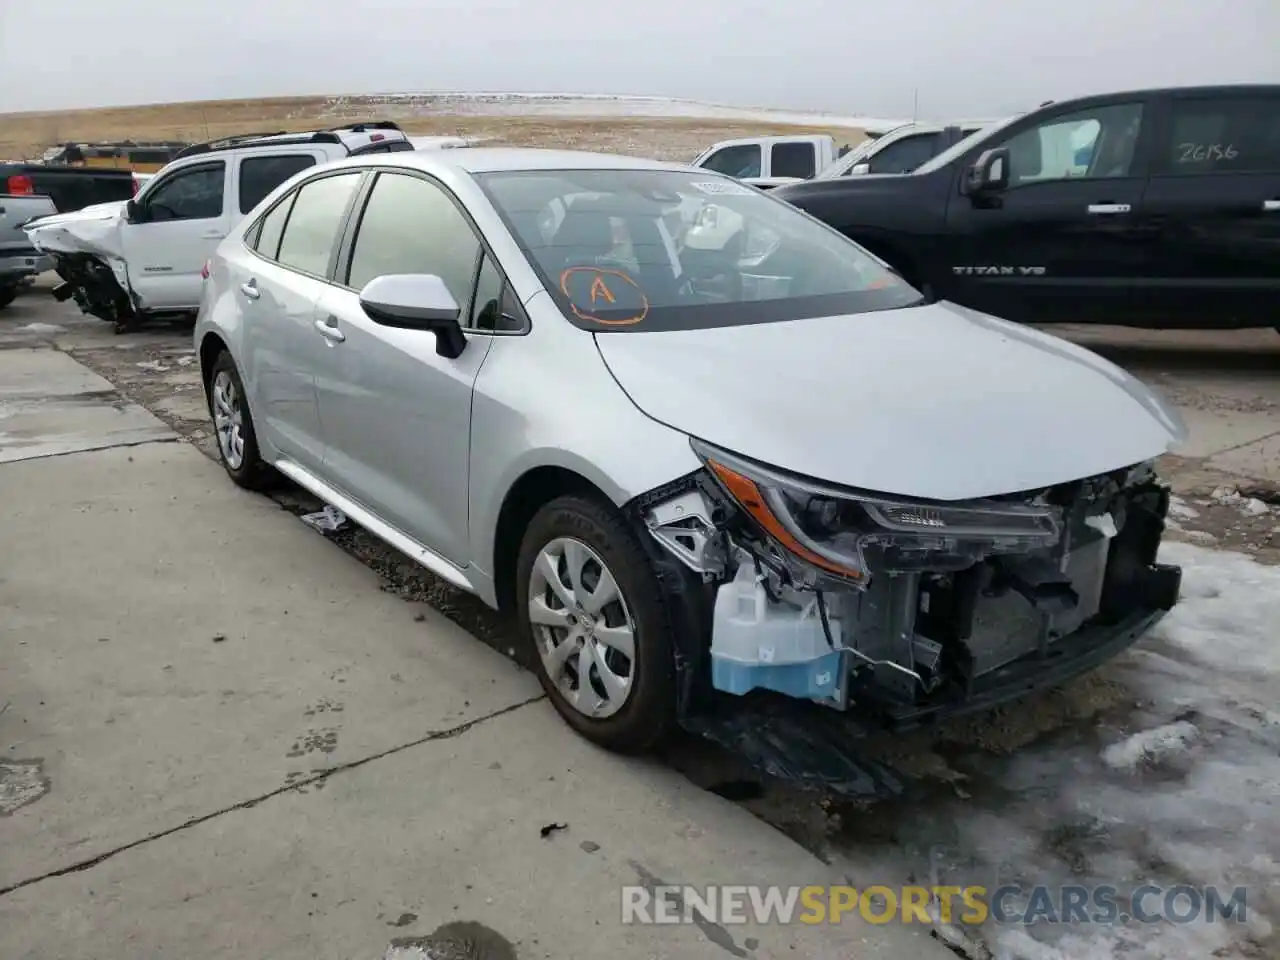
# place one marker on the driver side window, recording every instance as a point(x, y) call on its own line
point(1097, 142)
point(191, 194)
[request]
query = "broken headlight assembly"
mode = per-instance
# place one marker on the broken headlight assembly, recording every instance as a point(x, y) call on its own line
point(819, 531)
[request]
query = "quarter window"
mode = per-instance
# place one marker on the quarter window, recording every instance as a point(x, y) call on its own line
point(494, 307)
point(1222, 136)
point(267, 241)
point(410, 225)
point(312, 228)
point(191, 194)
point(742, 160)
point(260, 175)
point(1098, 142)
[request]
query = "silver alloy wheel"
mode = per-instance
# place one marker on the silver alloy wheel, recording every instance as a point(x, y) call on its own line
point(228, 419)
point(583, 629)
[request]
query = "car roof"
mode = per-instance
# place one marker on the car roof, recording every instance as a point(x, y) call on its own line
point(512, 159)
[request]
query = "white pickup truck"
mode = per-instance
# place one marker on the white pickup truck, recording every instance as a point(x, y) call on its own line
point(124, 262)
point(767, 162)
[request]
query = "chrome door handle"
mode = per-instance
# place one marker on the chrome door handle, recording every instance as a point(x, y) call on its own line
point(330, 332)
point(250, 289)
point(1271, 206)
point(1108, 208)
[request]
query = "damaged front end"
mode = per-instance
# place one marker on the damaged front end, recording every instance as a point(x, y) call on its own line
point(86, 253)
point(892, 612)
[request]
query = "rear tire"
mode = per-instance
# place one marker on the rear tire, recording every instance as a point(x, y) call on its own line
point(573, 548)
point(233, 426)
point(7, 296)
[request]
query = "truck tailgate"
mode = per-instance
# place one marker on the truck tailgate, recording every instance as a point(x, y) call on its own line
point(70, 188)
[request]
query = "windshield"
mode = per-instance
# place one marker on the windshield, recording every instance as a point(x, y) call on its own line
point(959, 147)
point(672, 249)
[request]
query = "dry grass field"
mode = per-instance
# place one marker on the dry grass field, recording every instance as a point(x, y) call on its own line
point(27, 135)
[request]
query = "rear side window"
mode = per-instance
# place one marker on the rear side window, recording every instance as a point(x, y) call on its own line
point(410, 225)
point(793, 160)
point(742, 160)
point(260, 175)
point(312, 228)
point(1222, 135)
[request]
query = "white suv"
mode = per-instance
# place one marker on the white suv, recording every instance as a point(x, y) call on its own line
point(125, 261)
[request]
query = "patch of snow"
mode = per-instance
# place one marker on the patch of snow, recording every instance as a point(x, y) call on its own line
point(1185, 793)
point(1150, 746)
point(155, 366)
point(1181, 510)
point(589, 105)
point(1250, 506)
point(42, 328)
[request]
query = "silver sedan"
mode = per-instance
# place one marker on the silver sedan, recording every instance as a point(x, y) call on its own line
point(699, 444)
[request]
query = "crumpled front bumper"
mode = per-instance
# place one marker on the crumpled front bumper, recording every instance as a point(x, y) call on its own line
point(799, 740)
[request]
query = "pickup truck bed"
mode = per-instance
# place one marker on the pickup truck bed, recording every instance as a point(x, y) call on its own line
point(70, 188)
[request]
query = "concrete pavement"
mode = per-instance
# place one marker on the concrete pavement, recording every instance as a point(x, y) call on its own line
point(220, 739)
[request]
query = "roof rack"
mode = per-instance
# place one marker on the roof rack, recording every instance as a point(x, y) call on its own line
point(253, 139)
point(363, 125)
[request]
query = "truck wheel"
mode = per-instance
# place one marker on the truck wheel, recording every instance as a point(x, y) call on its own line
point(591, 606)
point(233, 426)
point(7, 296)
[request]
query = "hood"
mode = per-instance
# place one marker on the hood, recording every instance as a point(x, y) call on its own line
point(937, 401)
point(94, 229)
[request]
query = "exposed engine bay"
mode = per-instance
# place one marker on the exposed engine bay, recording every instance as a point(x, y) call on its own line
point(909, 609)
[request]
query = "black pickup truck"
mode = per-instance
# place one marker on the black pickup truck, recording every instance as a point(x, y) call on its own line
point(1153, 208)
point(70, 188)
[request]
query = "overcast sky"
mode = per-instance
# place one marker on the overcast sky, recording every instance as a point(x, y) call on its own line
point(966, 57)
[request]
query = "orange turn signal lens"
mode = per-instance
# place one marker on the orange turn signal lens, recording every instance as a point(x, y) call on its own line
point(752, 499)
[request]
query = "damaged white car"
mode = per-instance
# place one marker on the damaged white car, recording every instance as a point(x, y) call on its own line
point(127, 261)
point(718, 460)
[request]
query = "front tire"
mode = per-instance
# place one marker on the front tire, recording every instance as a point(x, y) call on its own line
point(233, 426)
point(590, 605)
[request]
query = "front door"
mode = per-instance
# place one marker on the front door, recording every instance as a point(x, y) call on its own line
point(1212, 210)
point(1062, 241)
point(184, 219)
point(396, 415)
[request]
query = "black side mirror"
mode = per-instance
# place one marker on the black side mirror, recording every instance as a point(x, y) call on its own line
point(416, 301)
point(989, 173)
point(136, 213)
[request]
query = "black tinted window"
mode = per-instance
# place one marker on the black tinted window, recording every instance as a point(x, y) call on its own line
point(905, 155)
point(1222, 136)
point(267, 239)
point(191, 194)
point(260, 175)
point(793, 160)
point(740, 161)
point(494, 307)
point(410, 225)
point(312, 228)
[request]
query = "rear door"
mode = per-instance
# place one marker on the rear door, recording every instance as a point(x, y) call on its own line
point(277, 287)
point(1062, 241)
point(1212, 212)
point(185, 218)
